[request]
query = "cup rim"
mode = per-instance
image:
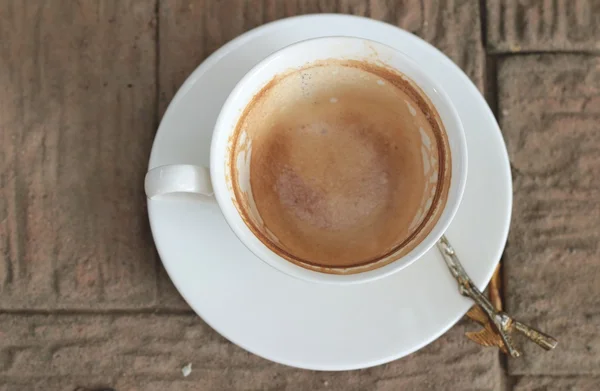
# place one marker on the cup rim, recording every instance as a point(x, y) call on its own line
point(224, 196)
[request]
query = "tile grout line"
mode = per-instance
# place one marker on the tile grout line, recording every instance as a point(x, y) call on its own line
point(157, 62)
point(157, 261)
point(490, 92)
point(109, 311)
point(544, 52)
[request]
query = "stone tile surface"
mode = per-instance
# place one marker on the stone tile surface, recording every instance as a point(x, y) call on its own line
point(147, 352)
point(551, 383)
point(78, 103)
point(82, 87)
point(543, 25)
point(550, 110)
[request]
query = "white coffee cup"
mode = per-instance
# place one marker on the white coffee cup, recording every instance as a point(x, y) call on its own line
point(214, 183)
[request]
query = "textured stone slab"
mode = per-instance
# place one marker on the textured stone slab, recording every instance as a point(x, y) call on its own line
point(550, 110)
point(147, 352)
point(78, 104)
point(543, 25)
point(580, 383)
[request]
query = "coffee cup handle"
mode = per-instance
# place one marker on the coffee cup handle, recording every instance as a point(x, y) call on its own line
point(179, 181)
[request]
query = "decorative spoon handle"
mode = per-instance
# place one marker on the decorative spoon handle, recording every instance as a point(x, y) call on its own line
point(544, 340)
point(503, 323)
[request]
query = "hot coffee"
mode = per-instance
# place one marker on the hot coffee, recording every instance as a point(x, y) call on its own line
point(349, 165)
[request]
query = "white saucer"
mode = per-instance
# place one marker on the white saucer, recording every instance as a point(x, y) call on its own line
point(308, 325)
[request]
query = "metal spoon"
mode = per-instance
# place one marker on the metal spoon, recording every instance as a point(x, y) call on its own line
point(503, 323)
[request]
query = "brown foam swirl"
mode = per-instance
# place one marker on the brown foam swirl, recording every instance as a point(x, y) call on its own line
point(349, 166)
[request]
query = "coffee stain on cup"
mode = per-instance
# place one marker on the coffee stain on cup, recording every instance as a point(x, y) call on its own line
point(434, 143)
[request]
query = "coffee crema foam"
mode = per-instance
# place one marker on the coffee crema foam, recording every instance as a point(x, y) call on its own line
point(348, 166)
